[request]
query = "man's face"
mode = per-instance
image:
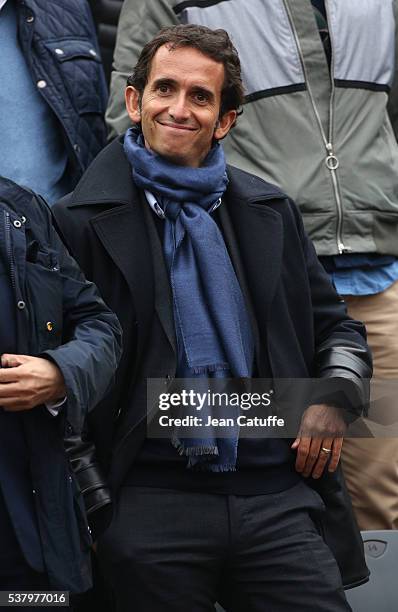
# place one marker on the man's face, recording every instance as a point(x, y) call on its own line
point(180, 106)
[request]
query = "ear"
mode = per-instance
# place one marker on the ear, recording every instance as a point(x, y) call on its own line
point(224, 124)
point(132, 98)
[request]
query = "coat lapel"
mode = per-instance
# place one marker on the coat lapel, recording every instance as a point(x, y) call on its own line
point(128, 233)
point(121, 228)
point(258, 230)
point(123, 235)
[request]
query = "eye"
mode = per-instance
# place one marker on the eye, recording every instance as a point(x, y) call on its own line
point(200, 97)
point(163, 88)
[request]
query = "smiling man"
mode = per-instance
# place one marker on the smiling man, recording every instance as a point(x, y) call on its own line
point(212, 276)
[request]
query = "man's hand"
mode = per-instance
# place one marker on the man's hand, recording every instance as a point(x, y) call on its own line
point(322, 429)
point(27, 382)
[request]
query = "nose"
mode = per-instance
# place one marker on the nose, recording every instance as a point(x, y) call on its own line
point(179, 110)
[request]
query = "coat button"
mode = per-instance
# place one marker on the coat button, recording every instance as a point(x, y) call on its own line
point(59, 51)
point(49, 326)
point(17, 223)
point(76, 148)
point(21, 305)
point(41, 84)
point(93, 52)
point(30, 19)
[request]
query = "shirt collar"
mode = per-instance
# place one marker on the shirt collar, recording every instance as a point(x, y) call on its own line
point(158, 210)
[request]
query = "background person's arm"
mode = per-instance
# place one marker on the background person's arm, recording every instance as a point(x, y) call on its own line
point(91, 341)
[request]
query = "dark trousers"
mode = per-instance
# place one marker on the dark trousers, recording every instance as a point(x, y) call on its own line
point(176, 551)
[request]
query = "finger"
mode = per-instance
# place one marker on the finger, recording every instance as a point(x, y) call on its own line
point(323, 457)
point(11, 375)
point(295, 443)
point(312, 457)
point(21, 402)
point(16, 408)
point(11, 390)
point(335, 458)
point(12, 361)
point(302, 453)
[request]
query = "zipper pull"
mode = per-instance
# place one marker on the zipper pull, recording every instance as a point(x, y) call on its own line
point(331, 160)
point(344, 249)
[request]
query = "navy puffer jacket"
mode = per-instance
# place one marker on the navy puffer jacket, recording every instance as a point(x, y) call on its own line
point(59, 43)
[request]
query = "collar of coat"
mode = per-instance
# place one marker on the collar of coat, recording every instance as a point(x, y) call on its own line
point(108, 180)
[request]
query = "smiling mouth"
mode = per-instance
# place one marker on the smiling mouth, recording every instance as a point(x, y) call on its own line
point(177, 126)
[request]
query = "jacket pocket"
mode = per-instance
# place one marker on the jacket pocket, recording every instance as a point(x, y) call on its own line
point(79, 65)
point(44, 294)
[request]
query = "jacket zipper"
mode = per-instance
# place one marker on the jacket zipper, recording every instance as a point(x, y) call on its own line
point(331, 160)
point(9, 249)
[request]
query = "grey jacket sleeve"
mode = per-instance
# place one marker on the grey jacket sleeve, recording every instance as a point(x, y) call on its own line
point(139, 21)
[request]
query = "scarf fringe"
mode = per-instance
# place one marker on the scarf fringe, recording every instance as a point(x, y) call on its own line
point(194, 451)
point(213, 467)
point(217, 367)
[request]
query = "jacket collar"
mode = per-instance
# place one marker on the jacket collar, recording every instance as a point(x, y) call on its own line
point(108, 180)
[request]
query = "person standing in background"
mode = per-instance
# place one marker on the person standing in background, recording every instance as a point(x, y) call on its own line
point(317, 77)
point(59, 348)
point(53, 94)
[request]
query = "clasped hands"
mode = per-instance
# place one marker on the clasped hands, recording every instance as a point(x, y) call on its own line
point(321, 430)
point(27, 382)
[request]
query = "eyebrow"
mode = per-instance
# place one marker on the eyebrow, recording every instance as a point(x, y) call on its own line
point(164, 81)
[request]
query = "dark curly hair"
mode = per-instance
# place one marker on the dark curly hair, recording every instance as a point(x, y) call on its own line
point(216, 44)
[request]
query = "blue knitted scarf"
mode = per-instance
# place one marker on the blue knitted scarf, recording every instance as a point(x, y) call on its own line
point(212, 326)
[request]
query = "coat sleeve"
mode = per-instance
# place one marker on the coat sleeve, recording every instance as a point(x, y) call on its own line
point(342, 355)
point(139, 21)
point(91, 344)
